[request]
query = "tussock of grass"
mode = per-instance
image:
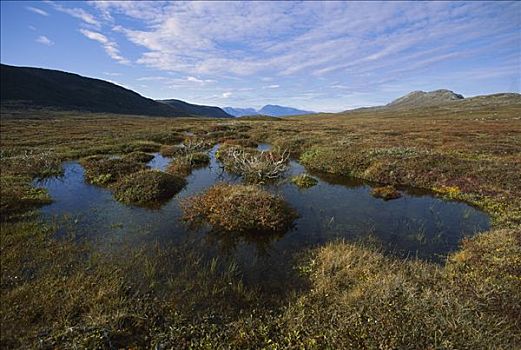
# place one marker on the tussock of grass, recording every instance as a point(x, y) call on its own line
point(170, 150)
point(147, 187)
point(101, 170)
point(239, 208)
point(138, 156)
point(385, 192)
point(182, 165)
point(304, 181)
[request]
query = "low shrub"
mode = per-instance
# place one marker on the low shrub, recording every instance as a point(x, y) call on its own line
point(138, 156)
point(101, 170)
point(240, 209)
point(386, 193)
point(147, 187)
point(304, 181)
point(254, 166)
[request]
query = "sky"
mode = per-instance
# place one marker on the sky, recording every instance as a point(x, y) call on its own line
point(319, 56)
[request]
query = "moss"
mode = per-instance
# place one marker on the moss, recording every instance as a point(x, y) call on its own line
point(304, 181)
point(239, 208)
point(147, 187)
point(103, 170)
point(138, 156)
point(386, 193)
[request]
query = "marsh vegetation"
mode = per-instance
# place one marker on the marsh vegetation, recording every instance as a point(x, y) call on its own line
point(82, 269)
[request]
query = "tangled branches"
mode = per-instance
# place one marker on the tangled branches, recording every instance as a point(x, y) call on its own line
point(255, 166)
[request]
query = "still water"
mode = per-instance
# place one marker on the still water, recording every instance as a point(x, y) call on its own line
point(418, 224)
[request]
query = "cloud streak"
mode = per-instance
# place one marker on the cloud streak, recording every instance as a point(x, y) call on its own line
point(37, 11)
point(76, 12)
point(288, 38)
point(110, 47)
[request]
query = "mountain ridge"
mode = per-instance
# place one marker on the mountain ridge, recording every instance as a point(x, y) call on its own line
point(199, 110)
point(49, 88)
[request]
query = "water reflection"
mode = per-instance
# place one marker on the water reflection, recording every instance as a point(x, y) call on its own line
point(417, 224)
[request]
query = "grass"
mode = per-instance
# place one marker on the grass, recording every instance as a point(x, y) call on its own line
point(147, 187)
point(138, 156)
point(362, 299)
point(239, 209)
point(65, 293)
point(304, 181)
point(103, 170)
point(183, 164)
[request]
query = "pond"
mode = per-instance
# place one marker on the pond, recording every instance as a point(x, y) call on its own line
point(418, 224)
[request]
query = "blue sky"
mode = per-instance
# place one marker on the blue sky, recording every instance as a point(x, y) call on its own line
point(322, 56)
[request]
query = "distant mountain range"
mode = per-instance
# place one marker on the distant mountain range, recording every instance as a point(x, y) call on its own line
point(38, 87)
point(442, 97)
point(240, 112)
point(269, 110)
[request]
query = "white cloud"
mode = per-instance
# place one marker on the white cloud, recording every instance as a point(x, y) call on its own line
point(112, 74)
point(37, 10)
point(110, 47)
point(284, 38)
point(42, 39)
point(76, 12)
point(338, 47)
point(199, 81)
